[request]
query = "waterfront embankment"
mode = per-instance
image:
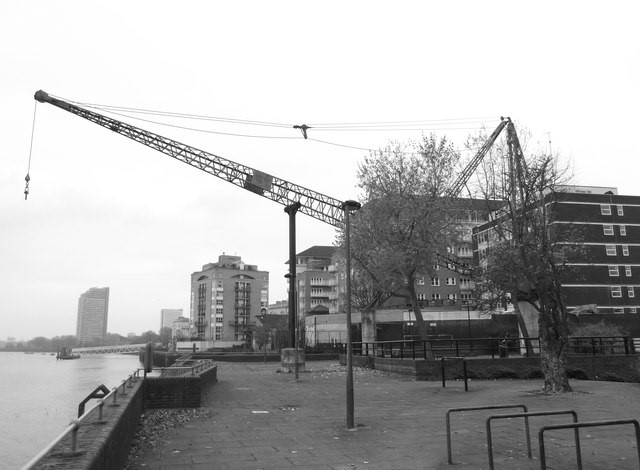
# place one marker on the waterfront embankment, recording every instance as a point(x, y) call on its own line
point(262, 419)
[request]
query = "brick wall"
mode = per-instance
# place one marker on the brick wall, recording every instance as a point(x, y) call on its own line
point(178, 392)
point(625, 367)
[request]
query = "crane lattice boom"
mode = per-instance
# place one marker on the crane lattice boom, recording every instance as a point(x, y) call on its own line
point(312, 203)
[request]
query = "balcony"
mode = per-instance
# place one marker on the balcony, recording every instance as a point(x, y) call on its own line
point(239, 322)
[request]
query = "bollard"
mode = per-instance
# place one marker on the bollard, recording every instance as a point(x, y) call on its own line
point(74, 434)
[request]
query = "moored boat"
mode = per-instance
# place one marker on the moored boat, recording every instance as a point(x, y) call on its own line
point(65, 353)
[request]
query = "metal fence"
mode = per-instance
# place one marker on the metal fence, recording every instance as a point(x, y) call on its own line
point(500, 347)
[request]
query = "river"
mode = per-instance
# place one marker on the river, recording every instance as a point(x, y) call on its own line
point(39, 396)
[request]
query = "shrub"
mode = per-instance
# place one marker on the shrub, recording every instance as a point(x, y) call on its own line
point(531, 372)
point(577, 374)
point(599, 329)
point(610, 377)
point(495, 373)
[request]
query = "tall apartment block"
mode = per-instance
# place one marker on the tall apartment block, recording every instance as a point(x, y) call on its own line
point(168, 316)
point(93, 313)
point(226, 297)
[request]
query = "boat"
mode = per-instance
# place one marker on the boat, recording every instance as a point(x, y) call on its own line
point(66, 353)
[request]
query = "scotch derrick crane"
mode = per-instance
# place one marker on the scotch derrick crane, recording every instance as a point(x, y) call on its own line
point(294, 197)
point(317, 205)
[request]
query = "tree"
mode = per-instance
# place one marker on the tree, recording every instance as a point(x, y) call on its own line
point(405, 221)
point(166, 334)
point(40, 343)
point(524, 253)
point(150, 336)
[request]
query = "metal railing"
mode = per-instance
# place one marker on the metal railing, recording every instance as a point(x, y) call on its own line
point(587, 424)
point(177, 371)
point(478, 408)
point(72, 429)
point(501, 347)
point(526, 416)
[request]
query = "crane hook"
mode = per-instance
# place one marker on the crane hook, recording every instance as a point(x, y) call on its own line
point(26, 188)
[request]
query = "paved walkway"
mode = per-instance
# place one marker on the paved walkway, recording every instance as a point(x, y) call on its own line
point(263, 419)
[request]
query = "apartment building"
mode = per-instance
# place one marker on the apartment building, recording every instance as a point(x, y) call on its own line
point(318, 277)
point(93, 314)
point(606, 276)
point(226, 298)
point(168, 316)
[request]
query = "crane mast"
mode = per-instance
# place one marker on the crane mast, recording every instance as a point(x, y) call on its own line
point(312, 203)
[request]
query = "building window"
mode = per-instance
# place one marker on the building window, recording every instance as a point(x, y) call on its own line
point(608, 229)
point(465, 296)
point(618, 310)
point(632, 310)
point(420, 281)
point(451, 281)
point(616, 291)
point(625, 250)
point(623, 230)
point(605, 209)
point(627, 271)
point(435, 296)
point(631, 292)
point(613, 271)
point(452, 296)
point(611, 250)
point(435, 281)
point(422, 296)
point(620, 209)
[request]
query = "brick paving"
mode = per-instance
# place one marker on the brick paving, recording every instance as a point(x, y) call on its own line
point(262, 419)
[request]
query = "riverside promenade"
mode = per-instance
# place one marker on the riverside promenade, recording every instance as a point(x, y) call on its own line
point(263, 419)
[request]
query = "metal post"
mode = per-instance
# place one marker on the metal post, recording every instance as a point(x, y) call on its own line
point(347, 207)
point(291, 209)
point(469, 325)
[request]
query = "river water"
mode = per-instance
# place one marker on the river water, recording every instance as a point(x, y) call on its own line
point(39, 396)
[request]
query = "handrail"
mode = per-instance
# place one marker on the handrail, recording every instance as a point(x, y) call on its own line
point(75, 424)
point(182, 370)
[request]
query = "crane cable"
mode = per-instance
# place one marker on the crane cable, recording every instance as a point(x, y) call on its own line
point(33, 127)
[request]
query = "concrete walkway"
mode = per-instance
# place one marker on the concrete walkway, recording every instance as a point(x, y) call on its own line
point(263, 419)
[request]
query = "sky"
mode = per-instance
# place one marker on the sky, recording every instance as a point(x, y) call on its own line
point(104, 211)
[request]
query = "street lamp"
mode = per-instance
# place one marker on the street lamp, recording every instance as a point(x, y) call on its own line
point(348, 207)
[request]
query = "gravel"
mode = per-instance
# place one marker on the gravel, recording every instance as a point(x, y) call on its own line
point(153, 426)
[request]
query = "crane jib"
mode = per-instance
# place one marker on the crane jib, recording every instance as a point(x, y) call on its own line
point(314, 204)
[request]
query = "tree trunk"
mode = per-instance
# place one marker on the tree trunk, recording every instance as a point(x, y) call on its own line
point(420, 323)
point(553, 333)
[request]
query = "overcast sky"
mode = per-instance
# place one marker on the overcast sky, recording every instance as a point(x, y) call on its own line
point(107, 211)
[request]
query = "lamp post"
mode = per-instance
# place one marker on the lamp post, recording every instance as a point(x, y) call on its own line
point(347, 207)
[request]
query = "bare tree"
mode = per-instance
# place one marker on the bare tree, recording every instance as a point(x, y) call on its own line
point(523, 251)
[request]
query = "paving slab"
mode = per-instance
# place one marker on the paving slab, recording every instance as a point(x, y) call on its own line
point(262, 419)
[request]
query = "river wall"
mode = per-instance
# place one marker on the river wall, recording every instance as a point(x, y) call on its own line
point(104, 444)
